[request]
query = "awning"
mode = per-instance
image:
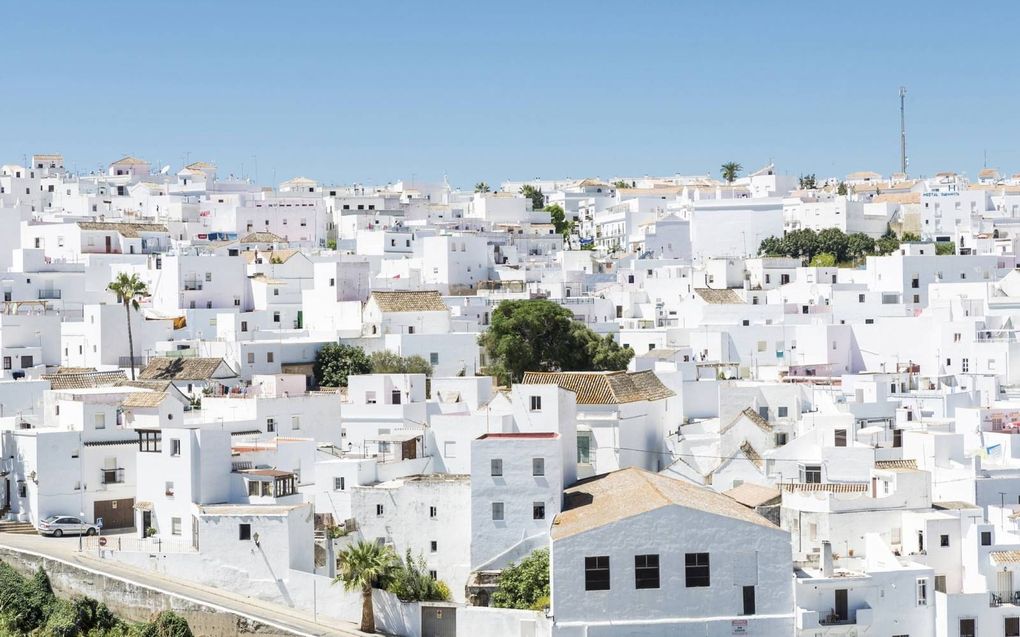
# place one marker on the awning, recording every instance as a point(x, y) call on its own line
point(872, 430)
point(143, 505)
point(399, 436)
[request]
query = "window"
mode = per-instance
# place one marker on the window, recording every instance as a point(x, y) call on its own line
point(175, 526)
point(646, 571)
point(596, 573)
point(434, 358)
point(922, 591)
point(295, 423)
point(276, 317)
point(783, 412)
point(696, 570)
point(1011, 627)
point(536, 403)
point(965, 365)
point(433, 512)
point(253, 488)
point(968, 628)
point(840, 438)
point(433, 546)
point(208, 276)
point(538, 510)
point(22, 489)
point(270, 425)
point(940, 583)
point(781, 439)
point(811, 473)
point(269, 357)
point(169, 489)
point(583, 448)
point(100, 420)
point(497, 511)
point(496, 467)
point(943, 540)
point(244, 531)
point(379, 510)
point(986, 538)
point(251, 358)
point(244, 324)
point(538, 466)
point(175, 446)
point(339, 484)
point(7, 362)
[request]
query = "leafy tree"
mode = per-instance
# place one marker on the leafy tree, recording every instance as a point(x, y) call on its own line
point(362, 567)
point(801, 243)
point(771, 247)
point(730, 171)
point(335, 362)
point(482, 187)
point(823, 260)
point(129, 288)
point(834, 242)
point(387, 362)
point(540, 335)
point(411, 582)
point(841, 189)
point(945, 248)
point(559, 219)
point(807, 182)
point(167, 624)
point(859, 245)
point(535, 195)
point(524, 584)
point(910, 237)
point(622, 184)
point(80, 616)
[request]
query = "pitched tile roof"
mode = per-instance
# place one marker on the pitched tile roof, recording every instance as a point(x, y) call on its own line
point(1005, 557)
point(129, 230)
point(85, 380)
point(409, 301)
point(753, 495)
point(893, 465)
point(754, 417)
point(269, 256)
point(719, 297)
point(752, 454)
point(144, 399)
point(615, 496)
point(261, 237)
point(170, 368)
point(604, 388)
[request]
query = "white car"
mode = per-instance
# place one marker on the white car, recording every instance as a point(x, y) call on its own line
point(60, 525)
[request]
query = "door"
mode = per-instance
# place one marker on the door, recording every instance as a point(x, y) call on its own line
point(1006, 585)
point(146, 521)
point(842, 608)
point(109, 246)
point(438, 621)
point(116, 514)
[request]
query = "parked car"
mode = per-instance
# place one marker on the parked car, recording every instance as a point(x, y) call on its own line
point(59, 525)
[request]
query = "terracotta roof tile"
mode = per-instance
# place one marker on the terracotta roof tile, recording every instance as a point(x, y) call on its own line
point(169, 368)
point(129, 230)
point(719, 297)
point(409, 301)
point(604, 388)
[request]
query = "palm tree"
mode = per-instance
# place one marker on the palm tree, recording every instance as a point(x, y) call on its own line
point(128, 290)
point(363, 566)
point(730, 171)
point(481, 187)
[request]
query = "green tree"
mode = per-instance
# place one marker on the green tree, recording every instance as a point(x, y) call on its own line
point(540, 335)
point(823, 260)
point(166, 624)
point(481, 187)
point(129, 288)
point(841, 189)
point(807, 182)
point(945, 248)
point(387, 362)
point(411, 582)
point(559, 219)
point(335, 362)
point(525, 584)
point(859, 245)
point(833, 241)
point(730, 171)
point(910, 237)
point(622, 184)
point(801, 243)
point(535, 195)
point(771, 247)
point(363, 566)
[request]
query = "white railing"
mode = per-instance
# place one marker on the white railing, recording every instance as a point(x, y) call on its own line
point(134, 544)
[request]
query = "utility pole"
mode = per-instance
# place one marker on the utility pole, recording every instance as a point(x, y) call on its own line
point(903, 130)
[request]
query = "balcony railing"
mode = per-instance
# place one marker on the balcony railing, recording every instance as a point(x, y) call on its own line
point(192, 285)
point(49, 294)
point(112, 476)
point(1004, 598)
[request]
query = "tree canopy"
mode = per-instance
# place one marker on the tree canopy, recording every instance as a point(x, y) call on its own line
point(525, 584)
point(559, 219)
point(535, 195)
point(540, 335)
point(412, 582)
point(730, 171)
point(363, 566)
point(807, 182)
point(387, 362)
point(807, 244)
point(481, 187)
point(335, 362)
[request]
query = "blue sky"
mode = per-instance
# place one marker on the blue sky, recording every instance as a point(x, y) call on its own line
point(378, 91)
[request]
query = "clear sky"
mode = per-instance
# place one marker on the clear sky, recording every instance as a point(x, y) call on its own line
point(379, 91)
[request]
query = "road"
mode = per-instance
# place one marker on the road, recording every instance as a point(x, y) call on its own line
point(280, 617)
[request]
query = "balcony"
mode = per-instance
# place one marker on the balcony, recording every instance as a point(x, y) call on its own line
point(49, 295)
point(1004, 598)
point(112, 476)
point(192, 285)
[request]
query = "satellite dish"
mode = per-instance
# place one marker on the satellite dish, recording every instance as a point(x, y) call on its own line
point(164, 170)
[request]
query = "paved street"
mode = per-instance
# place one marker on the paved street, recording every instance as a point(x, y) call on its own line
point(66, 549)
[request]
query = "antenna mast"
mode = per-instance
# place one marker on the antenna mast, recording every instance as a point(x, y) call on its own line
point(903, 130)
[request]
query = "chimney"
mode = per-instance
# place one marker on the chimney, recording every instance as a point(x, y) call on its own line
point(826, 558)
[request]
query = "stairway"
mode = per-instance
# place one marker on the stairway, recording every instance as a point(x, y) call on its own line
point(18, 528)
